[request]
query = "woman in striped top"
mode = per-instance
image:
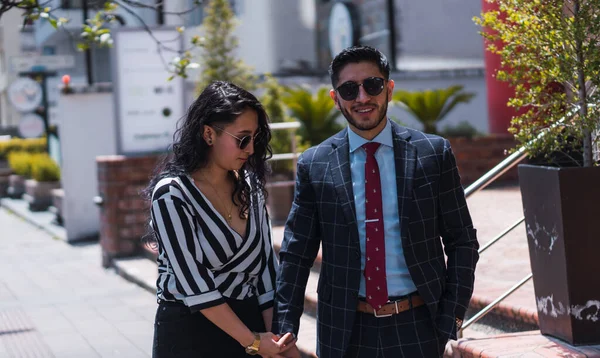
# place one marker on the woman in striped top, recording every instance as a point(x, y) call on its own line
point(216, 262)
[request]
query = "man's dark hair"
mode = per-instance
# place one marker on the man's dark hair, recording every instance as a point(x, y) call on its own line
point(358, 54)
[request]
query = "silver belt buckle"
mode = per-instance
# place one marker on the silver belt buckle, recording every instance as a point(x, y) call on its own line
point(385, 315)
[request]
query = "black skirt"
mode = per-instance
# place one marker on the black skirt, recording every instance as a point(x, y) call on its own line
point(181, 334)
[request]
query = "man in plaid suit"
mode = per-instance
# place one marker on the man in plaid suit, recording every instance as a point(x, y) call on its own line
point(378, 197)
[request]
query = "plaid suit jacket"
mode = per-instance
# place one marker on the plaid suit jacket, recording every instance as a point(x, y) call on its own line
point(431, 205)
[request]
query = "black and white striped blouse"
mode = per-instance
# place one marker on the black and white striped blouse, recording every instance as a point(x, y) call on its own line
point(201, 258)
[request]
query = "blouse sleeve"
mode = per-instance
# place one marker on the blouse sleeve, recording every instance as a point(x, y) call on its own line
point(175, 229)
point(266, 281)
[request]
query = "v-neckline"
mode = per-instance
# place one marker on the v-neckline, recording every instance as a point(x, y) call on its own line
point(223, 220)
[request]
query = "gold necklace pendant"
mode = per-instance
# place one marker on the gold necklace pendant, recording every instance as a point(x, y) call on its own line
point(218, 196)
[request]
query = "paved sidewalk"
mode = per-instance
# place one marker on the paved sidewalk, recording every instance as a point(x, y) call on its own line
point(56, 300)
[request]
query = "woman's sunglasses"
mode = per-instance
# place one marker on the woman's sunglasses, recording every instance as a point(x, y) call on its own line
point(245, 140)
point(349, 90)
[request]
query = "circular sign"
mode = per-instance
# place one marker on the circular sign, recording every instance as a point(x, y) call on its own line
point(31, 126)
point(25, 94)
point(341, 28)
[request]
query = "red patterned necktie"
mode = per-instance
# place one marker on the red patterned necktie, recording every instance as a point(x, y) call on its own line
point(376, 283)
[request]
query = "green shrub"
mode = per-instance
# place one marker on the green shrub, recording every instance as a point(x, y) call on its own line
point(463, 129)
point(29, 145)
point(20, 163)
point(316, 112)
point(44, 168)
point(281, 141)
point(431, 106)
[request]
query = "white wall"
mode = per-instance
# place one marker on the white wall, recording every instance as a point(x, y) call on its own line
point(87, 131)
point(256, 32)
point(439, 28)
point(294, 37)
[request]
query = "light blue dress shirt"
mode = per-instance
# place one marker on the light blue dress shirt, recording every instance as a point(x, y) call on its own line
point(399, 281)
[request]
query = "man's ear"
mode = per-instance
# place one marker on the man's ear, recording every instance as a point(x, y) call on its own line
point(333, 96)
point(390, 88)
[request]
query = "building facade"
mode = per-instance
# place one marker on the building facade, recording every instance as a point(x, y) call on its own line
point(432, 43)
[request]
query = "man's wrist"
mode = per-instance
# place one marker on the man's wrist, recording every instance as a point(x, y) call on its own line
point(459, 323)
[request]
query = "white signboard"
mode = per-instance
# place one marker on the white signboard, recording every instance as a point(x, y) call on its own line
point(25, 94)
point(147, 105)
point(31, 126)
point(341, 29)
point(49, 63)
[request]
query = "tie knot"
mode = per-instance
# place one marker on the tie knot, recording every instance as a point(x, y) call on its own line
point(371, 147)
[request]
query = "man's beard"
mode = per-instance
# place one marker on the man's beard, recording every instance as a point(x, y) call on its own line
point(366, 126)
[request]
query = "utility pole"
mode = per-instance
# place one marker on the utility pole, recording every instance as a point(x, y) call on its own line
point(88, 51)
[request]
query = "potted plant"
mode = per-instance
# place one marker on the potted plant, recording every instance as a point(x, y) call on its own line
point(5, 170)
point(315, 112)
point(552, 57)
point(280, 192)
point(45, 176)
point(20, 164)
point(431, 106)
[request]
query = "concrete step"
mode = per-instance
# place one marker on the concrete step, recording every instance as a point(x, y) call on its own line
point(522, 344)
point(138, 270)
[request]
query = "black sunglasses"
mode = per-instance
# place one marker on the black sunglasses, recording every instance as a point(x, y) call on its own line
point(349, 90)
point(245, 140)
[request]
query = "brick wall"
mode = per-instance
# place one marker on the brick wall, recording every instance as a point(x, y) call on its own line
point(477, 156)
point(124, 214)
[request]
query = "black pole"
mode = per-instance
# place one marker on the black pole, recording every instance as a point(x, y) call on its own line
point(45, 111)
point(88, 52)
point(392, 25)
point(160, 12)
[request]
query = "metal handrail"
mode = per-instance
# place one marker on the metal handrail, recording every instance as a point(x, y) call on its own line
point(494, 303)
point(501, 235)
point(502, 167)
point(292, 126)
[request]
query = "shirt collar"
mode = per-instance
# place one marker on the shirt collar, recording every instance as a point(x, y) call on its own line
point(384, 137)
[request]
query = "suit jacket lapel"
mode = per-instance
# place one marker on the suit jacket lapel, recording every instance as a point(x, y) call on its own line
point(339, 166)
point(405, 157)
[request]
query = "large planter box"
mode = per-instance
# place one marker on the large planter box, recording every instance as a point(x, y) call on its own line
point(4, 182)
point(563, 233)
point(16, 186)
point(39, 194)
